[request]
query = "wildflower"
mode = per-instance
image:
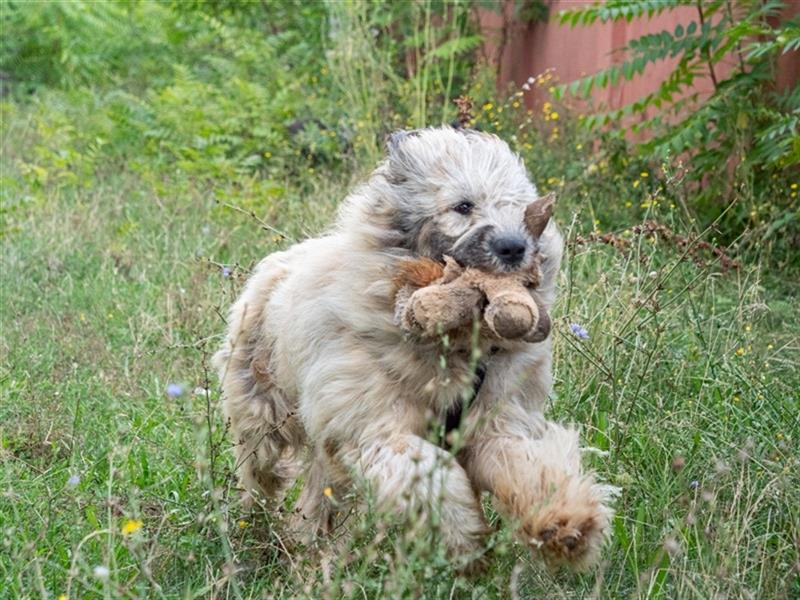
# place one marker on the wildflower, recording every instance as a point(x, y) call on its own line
point(62, 597)
point(644, 174)
point(671, 546)
point(578, 146)
point(694, 484)
point(554, 116)
point(526, 86)
point(101, 572)
point(740, 351)
point(579, 331)
point(328, 492)
point(174, 390)
point(227, 272)
point(747, 328)
point(532, 79)
point(242, 524)
point(131, 526)
point(73, 480)
point(636, 184)
point(488, 106)
point(793, 186)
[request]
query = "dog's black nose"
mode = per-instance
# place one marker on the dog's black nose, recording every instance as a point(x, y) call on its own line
point(510, 250)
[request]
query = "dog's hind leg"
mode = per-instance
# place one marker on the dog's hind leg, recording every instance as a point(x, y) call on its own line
point(267, 434)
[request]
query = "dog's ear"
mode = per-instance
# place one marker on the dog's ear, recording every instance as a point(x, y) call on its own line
point(401, 162)
point(538, 214)
point(394, 140)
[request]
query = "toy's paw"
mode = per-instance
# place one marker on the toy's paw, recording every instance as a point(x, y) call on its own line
point(572, 524)
point(441, 308)
point(542, 329)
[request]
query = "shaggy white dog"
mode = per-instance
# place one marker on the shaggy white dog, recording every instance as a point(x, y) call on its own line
point(317, 375)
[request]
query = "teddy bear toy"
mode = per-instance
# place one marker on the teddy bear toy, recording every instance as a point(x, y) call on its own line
point(437, 299)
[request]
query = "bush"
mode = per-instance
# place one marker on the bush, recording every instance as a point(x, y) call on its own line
point(741, 144)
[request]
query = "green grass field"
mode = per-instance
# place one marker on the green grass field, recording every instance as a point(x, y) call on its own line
point(110, 487)
point(148, 161)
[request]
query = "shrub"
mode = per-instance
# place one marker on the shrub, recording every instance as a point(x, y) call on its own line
point(739, 145)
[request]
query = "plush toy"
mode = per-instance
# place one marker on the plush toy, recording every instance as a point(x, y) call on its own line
point(434, 298)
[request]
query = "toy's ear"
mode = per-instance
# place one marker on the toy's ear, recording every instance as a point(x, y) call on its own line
point(538, 214)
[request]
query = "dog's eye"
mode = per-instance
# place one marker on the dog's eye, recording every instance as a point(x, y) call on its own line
point(464, 208)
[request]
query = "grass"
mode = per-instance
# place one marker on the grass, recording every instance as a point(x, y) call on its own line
point(113, 289)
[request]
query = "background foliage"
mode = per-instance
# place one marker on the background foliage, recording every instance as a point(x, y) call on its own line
point(152, 152)
point(743, 141)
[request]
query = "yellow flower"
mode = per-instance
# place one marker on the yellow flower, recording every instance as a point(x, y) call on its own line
point(747, 327)
point(740, 351)
point(242, 523)
point(488, 106)
point(644, 174)
point(636, 184)
point(515, 104)
point(328, 492)
point(770, 346)
point(131, 526)
point(554, 116)
point(63, 597)
point(628, 204)
point(793, 186)
point(578, 146)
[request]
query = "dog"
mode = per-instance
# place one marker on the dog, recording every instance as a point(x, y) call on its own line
point(318, 379)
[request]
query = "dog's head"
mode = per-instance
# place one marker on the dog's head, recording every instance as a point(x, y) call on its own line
point(461, 193)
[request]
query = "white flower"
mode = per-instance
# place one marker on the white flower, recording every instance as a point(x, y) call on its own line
point(73, 480)
point(101, 572)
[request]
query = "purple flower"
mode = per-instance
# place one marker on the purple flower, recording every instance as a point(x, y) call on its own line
point(579, 331)
point(73, 481)
point(174, 390)
point(227, 272)
point(694, 484)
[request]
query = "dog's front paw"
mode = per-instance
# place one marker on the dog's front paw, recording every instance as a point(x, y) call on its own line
point(571, 525)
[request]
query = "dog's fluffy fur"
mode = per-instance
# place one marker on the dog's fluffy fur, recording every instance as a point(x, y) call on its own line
point(318, 378)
